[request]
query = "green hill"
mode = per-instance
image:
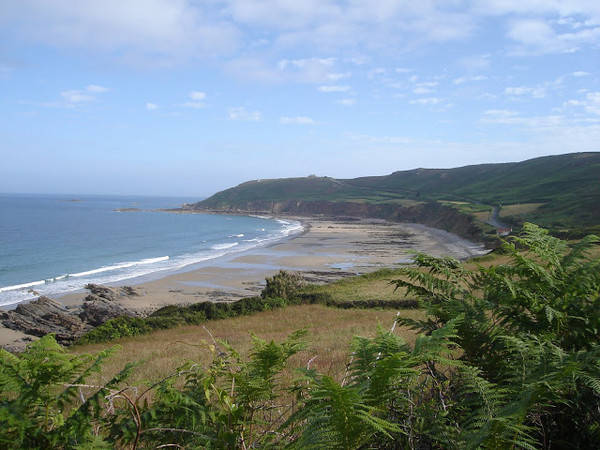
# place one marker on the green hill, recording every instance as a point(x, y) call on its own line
point(561, 193)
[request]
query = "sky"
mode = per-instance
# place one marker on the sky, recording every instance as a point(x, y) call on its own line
point(189, 97)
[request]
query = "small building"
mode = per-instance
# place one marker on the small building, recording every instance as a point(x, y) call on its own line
point(503, 231)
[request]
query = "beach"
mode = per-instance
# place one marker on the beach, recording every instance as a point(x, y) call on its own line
point(326, 250)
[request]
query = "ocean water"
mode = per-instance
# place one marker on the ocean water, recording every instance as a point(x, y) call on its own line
point(57, 244)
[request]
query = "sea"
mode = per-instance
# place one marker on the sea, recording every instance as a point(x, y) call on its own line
point(56, 244)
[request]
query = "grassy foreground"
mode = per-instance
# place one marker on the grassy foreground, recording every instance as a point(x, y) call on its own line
point(330, 331)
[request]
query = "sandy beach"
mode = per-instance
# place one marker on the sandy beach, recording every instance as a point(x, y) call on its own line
point(325, 251)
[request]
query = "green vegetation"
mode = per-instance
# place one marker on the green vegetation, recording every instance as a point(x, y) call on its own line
point(507, 357)
point(283, 289)
point(565, 187)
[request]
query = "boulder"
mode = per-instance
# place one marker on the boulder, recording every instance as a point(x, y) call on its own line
point(97, 311)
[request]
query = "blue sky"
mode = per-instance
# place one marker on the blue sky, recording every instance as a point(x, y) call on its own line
point(183, 97)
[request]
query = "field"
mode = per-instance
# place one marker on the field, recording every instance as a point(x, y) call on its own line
point(330, 331)
point(520, 209)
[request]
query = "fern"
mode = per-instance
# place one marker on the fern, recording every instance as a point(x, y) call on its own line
point(39, 392)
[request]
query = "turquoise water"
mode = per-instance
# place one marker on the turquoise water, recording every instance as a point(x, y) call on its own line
point(57, 244)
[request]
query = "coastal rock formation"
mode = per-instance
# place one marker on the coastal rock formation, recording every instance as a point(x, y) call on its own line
point(43, 316)
point(46, 315)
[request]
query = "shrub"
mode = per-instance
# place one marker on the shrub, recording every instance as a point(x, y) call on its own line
point(116, 328)
point(283, 285)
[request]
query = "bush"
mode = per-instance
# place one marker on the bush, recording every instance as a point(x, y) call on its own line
point(119, 327)
point(283, 285)
point(376, 303)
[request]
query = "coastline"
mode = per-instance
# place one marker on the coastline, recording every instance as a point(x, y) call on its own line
point(324, 251)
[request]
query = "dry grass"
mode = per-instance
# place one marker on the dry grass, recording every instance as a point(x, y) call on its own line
point(518, 209)
point(482, 216)
point(330, 331)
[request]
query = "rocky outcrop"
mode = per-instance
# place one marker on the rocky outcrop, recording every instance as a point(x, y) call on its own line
point(43, 316)
point(46, 315)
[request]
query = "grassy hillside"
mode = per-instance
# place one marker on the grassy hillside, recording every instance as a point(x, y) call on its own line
point(564, 188)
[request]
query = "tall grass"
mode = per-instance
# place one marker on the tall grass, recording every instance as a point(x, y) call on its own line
point(329, 333)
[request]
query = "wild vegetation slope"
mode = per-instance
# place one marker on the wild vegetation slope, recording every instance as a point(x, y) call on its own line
point(564, 190)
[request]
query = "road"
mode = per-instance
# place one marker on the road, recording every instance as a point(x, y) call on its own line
point(494, 219)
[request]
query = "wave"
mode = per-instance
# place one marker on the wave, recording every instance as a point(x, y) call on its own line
point(224, 246)
point(119, 266)
point(290, 227)
point(237, 235)
point(22, 286)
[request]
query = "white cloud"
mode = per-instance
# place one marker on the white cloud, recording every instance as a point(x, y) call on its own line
point(240, 113)
point(298, 120)
point(334, 88)
point(423, 90)
point(427, 101)
point(347, 102)
point(197, 95)
point(538, 36)
point(156, 28)
point(76, 96)
point(196, 102)
point(561, 8)
point(475, 63)
point(309, 70)
point(254, 69)
point(462, 80)
point(425, 87)
point(337, 76)
point(580, 73)
point(593, 105)
point(499, 115)
point(506, 117)
point(537, 92)
point(194, 105)
point(151, 106)
point(97, 89)
point(283, 14)
point(377, 71)
point(306, 70)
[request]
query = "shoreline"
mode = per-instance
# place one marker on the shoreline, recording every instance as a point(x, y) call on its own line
point(325, 250)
